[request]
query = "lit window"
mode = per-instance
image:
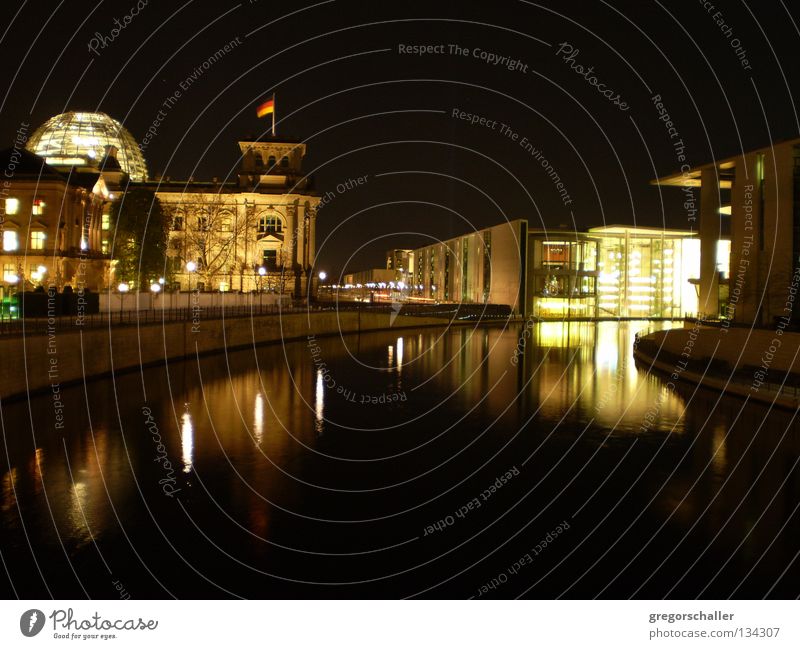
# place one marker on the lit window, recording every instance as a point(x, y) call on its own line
point(225, 223)
point(10, 273)
point(269, 259)
point(10, 240)
point(106, 223)
point(177, 222)
point(38, 207)
point(12, 205)
point(37, 240)
point(271, 224)
point(104, 246)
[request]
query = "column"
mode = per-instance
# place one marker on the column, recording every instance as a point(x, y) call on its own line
point(708, 303)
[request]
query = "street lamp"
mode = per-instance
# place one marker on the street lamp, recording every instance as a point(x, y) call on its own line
point(322, 276)
point(190, 268)
point(155, 289)
point(122, 288)
point(261, 272)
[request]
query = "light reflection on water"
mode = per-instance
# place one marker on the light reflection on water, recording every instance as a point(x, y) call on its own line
point(254, 459)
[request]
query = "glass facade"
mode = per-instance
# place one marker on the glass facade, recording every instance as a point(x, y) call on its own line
point(69, 138)
point(564, 276)
point(646, 273)
point(617, 272)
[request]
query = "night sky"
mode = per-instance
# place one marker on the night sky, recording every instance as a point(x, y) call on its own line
point(366, 109)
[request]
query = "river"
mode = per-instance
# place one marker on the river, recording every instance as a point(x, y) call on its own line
point(483, 462)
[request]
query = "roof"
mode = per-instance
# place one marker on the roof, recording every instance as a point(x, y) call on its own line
point(21, 162)
point(691, 177)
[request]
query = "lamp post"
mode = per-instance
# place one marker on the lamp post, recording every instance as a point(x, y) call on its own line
point(122, 288)
point(155, 289)
point(261, 272)
point(190, 268)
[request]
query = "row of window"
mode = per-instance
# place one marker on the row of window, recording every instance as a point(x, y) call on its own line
point(11, 240)
point(269, 259)
point(271, 161)
point(12, 206)
point(37, 241)
point(266, 224)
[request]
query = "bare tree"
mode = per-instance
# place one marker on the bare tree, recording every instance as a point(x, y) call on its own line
point(215, 235)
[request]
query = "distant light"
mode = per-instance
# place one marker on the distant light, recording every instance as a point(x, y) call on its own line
point(42, 269)
point(262, 271)
point(322, 276)
point(191, 266)
point(161, 280)
point(12, 278)
point(123, 287)
point(155, 287)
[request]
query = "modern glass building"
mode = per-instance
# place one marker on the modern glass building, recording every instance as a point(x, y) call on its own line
point(616, 272)
point(646, 272)
point(754, 195)
point(606, 272)
point(78, 138)
point(562, 274)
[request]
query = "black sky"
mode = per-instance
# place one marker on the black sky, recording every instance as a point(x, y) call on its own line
point(366, 109)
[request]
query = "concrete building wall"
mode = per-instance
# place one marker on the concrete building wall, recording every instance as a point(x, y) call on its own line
point(487, 266)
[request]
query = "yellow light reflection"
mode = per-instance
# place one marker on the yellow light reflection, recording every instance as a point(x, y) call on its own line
point(399, 353)
point(187, 441)
point(258, 419)
point(9, 489)
point(319, 403)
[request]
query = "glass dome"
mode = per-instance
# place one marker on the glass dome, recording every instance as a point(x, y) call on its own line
point(63, 138)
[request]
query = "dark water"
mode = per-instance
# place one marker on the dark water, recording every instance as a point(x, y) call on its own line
point(337, 471)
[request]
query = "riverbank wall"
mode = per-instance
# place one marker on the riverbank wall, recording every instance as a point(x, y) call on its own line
point(49, 361)
point(761, 364)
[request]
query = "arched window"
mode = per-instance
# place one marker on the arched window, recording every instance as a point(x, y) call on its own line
point(285, 161)
point(272, 224)
point(259, 160)
point(271, 161)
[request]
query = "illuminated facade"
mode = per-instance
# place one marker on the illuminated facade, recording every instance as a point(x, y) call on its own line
point(605, 272)
point(81, 138)
point(562, 274)
point(52, 225)
point(646, 272)
point(486, 266)
point(614, 272)
point(754, 195)
point(255, 233)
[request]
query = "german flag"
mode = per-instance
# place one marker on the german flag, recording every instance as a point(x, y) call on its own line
point(267, 108)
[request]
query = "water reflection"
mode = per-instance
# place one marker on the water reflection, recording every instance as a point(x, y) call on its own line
point(258, 419)
point(260, 482)
point(187, 440)
point(319, 403)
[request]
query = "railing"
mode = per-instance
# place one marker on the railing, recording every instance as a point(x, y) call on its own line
point(62, 323)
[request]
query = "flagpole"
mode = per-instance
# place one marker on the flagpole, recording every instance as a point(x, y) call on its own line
point(274, 106)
